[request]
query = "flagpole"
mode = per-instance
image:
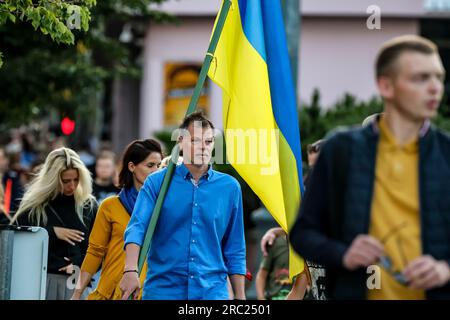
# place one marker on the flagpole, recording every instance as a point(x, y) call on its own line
point(175, 152)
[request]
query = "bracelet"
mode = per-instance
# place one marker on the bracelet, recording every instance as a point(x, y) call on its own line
point(132, 270)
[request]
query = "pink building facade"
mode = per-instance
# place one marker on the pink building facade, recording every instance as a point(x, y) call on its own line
point(336, 52)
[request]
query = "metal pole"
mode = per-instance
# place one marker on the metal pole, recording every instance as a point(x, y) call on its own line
point(292, 19)
point(174, 158)
point(6, 257)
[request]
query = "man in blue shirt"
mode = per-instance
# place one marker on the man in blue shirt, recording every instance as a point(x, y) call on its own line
point(199, 238)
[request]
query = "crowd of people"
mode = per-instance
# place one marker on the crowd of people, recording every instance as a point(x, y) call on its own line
point(375, 195)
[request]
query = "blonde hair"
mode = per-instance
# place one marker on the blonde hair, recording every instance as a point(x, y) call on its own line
point(47, 185)
point(166, 160)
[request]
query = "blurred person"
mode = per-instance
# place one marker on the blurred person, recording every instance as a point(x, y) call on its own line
point(60, 200)
point(105, 250)
point(273, 281)
point(199, 238)
point(312, 151)
point(104, 167)
point(86, 156)
point(16, 167)
point(34, 169)
point(105, 170)
point(28, 154)
point(58, 142)
point(378, 195)
point(315, 274)
point(4, 217)
point(15, 143)
point(11, 181)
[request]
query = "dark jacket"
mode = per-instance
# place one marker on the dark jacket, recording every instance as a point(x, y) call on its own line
point(61, 213)
point(337, 204)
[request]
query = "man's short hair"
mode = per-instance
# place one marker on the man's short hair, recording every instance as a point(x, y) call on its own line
point(392, 49)
point(197, 117)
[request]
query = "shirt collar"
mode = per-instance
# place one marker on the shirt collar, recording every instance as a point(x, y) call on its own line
point(387, 136)
point(186, 174)
point(374, 124)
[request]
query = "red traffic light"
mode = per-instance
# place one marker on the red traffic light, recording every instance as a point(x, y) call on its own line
point(67, 126)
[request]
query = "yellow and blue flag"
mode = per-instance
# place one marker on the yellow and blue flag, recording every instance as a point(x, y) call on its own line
point(251, 65)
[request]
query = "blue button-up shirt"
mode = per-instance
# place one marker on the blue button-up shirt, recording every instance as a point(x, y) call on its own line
point(199, 237)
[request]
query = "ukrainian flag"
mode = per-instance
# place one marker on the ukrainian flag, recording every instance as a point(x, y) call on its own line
point(251, 65)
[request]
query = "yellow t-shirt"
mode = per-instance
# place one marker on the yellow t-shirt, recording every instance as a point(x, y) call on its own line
point(395, 216)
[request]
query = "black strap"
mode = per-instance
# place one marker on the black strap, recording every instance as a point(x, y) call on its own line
point(57, 216)
point(87, 217)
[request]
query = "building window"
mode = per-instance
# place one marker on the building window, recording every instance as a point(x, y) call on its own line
point(180, 81)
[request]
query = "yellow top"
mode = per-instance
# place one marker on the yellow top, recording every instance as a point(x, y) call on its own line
point(395, 218)
point(106, 248)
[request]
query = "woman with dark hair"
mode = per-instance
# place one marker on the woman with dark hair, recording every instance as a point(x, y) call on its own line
point(141, 158)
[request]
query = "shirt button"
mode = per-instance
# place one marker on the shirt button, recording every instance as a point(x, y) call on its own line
point(192, 259)
point(192, 277)
point(195, 204)
point(398, 167)
point(194, 222)
point(193, 241)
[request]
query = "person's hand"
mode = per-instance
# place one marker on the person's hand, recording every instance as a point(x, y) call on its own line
point(268, 238)
point(129, 285)
point(427, 273)
point(69, 268)
point(76, 295)
point(69, 235)
point(363, 252)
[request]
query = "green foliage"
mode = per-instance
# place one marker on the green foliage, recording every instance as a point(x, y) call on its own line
point(51, 17)
point(442, 120)
point(32, 78)
point(316, 122)
point(44, 74)
point(165, 136)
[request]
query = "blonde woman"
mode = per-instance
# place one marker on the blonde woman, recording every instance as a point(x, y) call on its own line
point(140, 158)
point(60, 200)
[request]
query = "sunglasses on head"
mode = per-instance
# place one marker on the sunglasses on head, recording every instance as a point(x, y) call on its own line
point(386, 263)
point(313, 148)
